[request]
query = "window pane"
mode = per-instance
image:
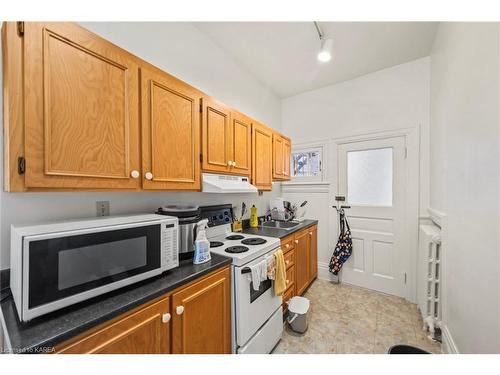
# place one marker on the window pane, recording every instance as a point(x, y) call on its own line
point(369, 177)
point(306, 164)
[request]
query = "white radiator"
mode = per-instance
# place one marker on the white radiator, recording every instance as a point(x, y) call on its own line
point(429, 276)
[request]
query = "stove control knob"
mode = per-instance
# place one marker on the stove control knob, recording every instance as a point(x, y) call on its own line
point(179, 310)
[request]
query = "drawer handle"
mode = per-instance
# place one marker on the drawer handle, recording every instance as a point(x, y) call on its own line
point(296, 241)
point(135, 174)
point(179, 310)
point(165, 318)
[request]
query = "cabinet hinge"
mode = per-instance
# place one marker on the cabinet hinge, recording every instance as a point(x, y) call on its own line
point(21, 165)
point(20, 28)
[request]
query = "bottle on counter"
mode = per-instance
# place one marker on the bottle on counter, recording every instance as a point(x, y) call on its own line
point(254, 220)
point(201, 245)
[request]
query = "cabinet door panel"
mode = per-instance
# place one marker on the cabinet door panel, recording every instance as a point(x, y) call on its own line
point(277, 156)
point(170, 132)
point(241, 134)
point(287, 152)
point(216, 137)
point(142, 332)
point(81, 109)
point(302, 261)
point(202, 316)
point(262, 157)
point(313, 252)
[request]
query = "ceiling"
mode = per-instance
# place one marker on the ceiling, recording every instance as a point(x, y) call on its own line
point(282, 55)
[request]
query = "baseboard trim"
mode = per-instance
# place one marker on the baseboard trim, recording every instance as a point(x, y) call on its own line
point(325, 274)
point(449, 346)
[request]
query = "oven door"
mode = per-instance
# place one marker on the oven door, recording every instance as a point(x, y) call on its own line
point(253, 308)
point(60, 269)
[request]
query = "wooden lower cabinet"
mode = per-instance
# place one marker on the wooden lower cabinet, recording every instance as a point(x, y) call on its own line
point(202, 316)
point(142, 332)
point(301, 254)
point(193, 319)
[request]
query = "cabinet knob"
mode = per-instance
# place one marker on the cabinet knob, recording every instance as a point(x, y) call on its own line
point(296, 241)
point(148, 175)
point(179, 310)
point(134, 174)
point(287, 282)
point(234, 164)
point(230, 163)
point(165, 318)
point(310, 233)
point(287, 262)
point(287, 245)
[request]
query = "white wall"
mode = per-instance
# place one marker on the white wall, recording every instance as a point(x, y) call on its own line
point(182, 50)
point(393, 98)
point(465, 179)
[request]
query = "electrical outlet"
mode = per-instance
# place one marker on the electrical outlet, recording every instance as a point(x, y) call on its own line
point(102, 208)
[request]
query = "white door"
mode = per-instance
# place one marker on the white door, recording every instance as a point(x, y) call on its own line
point(372, 177)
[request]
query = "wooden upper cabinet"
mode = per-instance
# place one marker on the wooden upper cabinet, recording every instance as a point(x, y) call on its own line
point(281, 157)
point(216, 136)
point(241, 144)
point(81, 110)
point(262, 157)
point(201, 316)
point(287, 154)
point(142, 332)
point(170, 132)
point(277, 156)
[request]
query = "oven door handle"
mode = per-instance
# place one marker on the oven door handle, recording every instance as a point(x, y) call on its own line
point(246, 270)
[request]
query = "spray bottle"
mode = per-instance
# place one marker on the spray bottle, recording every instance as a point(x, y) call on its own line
point(201, 245)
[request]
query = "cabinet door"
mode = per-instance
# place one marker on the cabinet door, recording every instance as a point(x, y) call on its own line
point(278, 154)
point(170, 132)
point(312, 233)
point(287, 153)
point(216, 137)
point(81, 109)
point(262, 157)
point(241, 144)
point(202, 316)
point(302, 261)
point(146, 331)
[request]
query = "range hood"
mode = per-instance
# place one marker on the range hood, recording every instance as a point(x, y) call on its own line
point(221, 183)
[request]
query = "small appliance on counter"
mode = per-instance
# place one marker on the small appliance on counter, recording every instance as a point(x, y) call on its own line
point(189, 216)
point(58, 264)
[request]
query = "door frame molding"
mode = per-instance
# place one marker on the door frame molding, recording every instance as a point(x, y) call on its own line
point(412, 204)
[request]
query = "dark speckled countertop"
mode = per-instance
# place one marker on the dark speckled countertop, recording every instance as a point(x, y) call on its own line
point(59, 326)
point(279, 233)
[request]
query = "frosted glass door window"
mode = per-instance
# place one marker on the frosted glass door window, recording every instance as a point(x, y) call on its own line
point(369, 177)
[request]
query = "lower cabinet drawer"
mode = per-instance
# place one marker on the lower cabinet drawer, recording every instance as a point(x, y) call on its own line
point(287, 243)
point(289, 259)
point(290, 292)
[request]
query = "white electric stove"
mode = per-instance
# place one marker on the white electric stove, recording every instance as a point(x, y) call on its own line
point(257, 315)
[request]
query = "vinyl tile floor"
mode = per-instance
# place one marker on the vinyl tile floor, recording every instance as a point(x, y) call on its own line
point(346, 320)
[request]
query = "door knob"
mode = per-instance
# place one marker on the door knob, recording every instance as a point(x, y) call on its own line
point(165, 318)
point(134, 174)
point(179, 310)
point(148, 175)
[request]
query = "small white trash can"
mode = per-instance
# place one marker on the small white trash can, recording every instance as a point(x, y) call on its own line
point(298, 310)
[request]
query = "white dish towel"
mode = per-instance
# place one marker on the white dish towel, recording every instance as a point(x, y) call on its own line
point(259, 273)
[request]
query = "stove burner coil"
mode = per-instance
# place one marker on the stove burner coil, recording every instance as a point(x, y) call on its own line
point(216, 243)
point(235, 237)
point(236, 249)
point(253, 241)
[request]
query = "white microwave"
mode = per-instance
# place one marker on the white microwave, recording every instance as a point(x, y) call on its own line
point(58, 264)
